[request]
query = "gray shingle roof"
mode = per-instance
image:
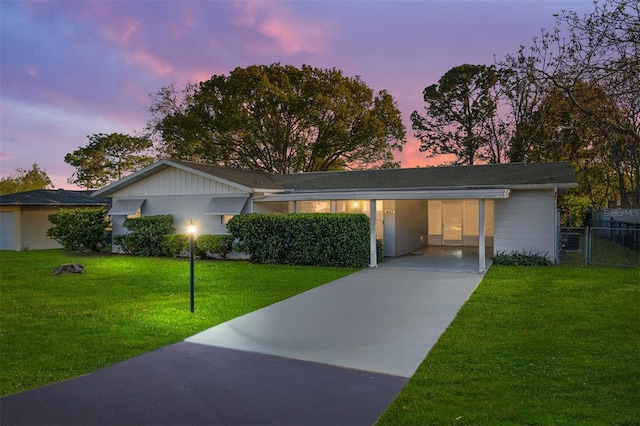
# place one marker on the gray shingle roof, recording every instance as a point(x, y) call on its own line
point(53, 197)
point(483, 176)
point(247, 178)
point(501, 176)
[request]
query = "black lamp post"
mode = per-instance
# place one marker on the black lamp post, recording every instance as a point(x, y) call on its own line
point(191, 230)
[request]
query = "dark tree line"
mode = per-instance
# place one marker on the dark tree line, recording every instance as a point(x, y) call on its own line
point(572, 95)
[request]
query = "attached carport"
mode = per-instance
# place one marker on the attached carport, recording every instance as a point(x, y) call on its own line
point(373, 196)
point(523, 200)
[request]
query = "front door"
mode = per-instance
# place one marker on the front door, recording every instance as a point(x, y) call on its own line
point(452, 223)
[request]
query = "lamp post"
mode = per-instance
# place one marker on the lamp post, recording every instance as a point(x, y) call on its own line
point(191, 230)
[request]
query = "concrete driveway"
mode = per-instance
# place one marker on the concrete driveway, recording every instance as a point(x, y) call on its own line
point(335, 355)
point(379, 320)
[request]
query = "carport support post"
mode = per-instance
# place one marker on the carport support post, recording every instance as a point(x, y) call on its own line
point(482, 267)
point(373, 258)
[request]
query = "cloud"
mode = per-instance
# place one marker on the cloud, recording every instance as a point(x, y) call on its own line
point(120, 32)
point(31, 72)
point(150, 63)
point(278, 29)
point(294, 38)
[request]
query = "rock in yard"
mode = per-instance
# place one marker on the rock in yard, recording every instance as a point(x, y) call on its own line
point(71, 268)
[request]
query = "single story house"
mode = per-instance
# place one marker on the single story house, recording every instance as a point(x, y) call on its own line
point(501, 207)
point(24, 216)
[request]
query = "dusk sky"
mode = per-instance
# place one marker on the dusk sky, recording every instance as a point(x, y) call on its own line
point(69, 69)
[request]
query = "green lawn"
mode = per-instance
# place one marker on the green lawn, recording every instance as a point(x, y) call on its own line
point(546, 345)
point(56, 327)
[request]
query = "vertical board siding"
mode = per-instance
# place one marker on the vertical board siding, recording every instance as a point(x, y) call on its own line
point(174, 181)
point(526, 222)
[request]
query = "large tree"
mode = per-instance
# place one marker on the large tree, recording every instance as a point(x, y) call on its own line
point(25, 180)
point(279, 119)
point(595, 64)
point(108, 158)
point(459, 113)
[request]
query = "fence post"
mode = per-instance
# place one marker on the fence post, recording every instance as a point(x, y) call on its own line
point(587, 246)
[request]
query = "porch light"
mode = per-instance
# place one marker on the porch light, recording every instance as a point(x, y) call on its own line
point(191, 230)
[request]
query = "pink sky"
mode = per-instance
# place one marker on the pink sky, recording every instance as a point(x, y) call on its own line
point(75, 68)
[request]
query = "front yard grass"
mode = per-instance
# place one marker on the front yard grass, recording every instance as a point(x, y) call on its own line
point(538, 345)
point(57, 327)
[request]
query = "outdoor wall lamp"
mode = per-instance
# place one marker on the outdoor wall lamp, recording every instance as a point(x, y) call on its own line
point(191, 230)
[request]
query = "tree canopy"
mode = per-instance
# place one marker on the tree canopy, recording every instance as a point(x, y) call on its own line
point(592, 72)
point(459, 113)
point(279, 119)
point(108, 158)
point(25, 180)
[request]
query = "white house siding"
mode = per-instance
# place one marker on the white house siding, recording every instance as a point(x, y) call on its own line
point(179, 193)
point(408, 220)
point(526, 222)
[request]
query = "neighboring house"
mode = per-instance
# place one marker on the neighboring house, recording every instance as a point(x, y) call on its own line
point(502, 207)
point(24, 216)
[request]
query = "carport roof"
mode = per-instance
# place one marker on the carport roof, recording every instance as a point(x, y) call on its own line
point(53, 197)
point(510, 176)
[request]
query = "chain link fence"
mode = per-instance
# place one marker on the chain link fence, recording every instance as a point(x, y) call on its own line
point(617, 244)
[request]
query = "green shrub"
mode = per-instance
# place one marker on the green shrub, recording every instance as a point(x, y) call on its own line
point(324, 239)
point(174, 244)
point(521, 258)
point(220, 245)
point(79, 229)
point(146, 235)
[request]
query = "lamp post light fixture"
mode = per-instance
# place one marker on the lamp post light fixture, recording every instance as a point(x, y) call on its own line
point(191, 230)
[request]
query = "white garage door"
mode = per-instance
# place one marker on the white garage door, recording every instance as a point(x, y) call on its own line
point(6, 231)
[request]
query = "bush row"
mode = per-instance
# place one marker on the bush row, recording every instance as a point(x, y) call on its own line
point(336, 239)
point(521, 258)
point(302, 239)
point(153, 236)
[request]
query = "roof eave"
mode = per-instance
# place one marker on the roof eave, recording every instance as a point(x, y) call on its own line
point(440, 194)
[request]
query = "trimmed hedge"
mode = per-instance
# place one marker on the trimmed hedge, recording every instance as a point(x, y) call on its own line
point(323, 239)
point(79, 229)
point(174, 244)
point(146, 235)
point(220, 245)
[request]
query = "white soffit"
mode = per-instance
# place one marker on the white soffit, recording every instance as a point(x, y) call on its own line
point(230, 205)
point(461, 194)
point(126, 207)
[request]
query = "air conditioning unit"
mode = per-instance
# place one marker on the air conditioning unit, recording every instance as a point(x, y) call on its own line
point(570, 241)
